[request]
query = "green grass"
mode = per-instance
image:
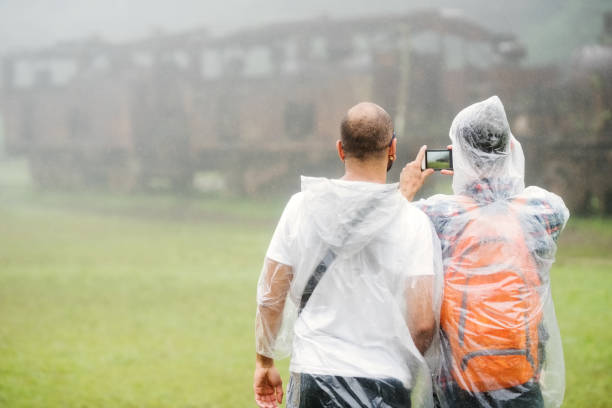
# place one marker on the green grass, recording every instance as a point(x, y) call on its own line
point(100, 310)
point(440, 165)
point(118, 301)
point(582, 281)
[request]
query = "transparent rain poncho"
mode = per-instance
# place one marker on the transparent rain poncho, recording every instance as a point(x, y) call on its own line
point(500, 344)
point(355, 336)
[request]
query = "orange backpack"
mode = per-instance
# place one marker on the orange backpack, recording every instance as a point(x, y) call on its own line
point(491, 307)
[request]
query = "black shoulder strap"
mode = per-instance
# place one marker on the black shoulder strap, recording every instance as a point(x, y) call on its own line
point(316, 276)
point(327, 260)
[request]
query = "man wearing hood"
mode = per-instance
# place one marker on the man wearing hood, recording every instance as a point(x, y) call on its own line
point(500, 342)
point(348, 283)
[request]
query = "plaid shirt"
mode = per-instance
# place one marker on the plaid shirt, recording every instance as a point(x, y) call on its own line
point(541, 216)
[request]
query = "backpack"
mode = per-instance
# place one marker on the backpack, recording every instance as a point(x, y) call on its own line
point(491, 308)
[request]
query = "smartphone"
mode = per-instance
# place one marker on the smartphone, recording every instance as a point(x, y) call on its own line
point(438, 159)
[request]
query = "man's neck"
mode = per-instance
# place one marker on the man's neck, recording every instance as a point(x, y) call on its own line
point(369, 172)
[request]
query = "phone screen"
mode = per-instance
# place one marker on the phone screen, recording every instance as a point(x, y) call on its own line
point(439, 159)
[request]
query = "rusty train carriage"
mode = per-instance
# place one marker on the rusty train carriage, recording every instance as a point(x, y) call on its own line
point(256, 105)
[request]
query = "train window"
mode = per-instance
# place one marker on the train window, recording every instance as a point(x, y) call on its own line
point(142, 59)
point(362, 55)
point(257, 62)
point(299, 120)
point(43, 77)
point(232, 62)
point(100, 63)
point(25, 72)
point(211, 64)
point(318, 48)
point(180, 59)
point(455, 49)
point(339, 48)
point(291, 63)
point(478, 54)
point(426, 42)
point(60, 70)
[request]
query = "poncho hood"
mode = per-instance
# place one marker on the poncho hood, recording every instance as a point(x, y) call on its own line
point(488, 161)
point(346, 215)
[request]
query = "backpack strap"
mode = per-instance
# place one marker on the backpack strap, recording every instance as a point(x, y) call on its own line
point(469, 205)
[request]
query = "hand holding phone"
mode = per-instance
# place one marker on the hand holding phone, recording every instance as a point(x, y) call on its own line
point(437, 159)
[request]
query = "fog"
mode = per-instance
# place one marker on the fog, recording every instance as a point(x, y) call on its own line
point(148, 148)
point(240, 97)
point(546, 24)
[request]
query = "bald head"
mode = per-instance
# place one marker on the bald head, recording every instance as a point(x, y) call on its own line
point(366, 131)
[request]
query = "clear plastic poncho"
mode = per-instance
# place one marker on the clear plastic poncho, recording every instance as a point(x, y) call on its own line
point(357, 336)
point(500, 344)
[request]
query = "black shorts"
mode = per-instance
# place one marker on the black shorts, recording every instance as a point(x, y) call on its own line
point(527, 395)
point(326, 391)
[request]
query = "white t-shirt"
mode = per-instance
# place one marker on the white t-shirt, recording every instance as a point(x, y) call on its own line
point(354, 322)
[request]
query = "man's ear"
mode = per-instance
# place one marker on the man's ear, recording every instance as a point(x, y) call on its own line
point(340, 149)
point(393, 148)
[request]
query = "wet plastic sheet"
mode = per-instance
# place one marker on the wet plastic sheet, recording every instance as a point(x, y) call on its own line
point(307, 390)
point(358, 336)
point(500, 344)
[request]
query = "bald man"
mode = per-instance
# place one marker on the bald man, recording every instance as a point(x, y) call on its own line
point(347, 284)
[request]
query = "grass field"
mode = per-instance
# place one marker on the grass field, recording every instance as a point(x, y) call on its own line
point(149, 302)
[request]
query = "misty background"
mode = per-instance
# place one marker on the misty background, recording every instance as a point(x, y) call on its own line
point(243, 96)
point(551, 29)
point(148, 148)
